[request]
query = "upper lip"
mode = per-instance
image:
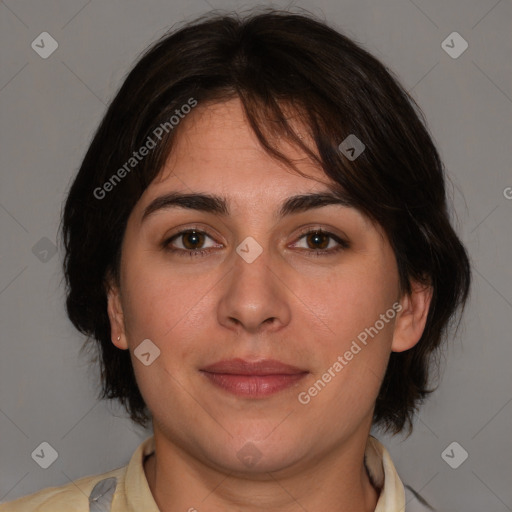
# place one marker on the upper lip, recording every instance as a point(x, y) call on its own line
point(242, 367)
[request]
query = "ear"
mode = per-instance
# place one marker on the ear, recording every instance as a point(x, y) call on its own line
point(411, 319)
point(115, 315)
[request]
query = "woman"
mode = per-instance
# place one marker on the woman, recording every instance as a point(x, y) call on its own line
point(258, 242)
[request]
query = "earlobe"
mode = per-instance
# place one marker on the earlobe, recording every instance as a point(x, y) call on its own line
point(115, 315)
point(412, 318)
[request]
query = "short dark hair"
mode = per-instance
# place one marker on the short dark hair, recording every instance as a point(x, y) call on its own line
point(274, 61)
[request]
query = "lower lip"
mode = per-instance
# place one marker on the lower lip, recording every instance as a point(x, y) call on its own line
point(253, 386)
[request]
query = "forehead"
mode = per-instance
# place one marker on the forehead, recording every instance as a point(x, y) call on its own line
point(216, 149)
point(218, 162)
point(216, 153)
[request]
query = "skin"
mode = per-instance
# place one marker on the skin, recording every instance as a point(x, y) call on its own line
point(287, 305)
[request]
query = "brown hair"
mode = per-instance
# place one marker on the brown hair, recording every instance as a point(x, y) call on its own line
point(272, 61)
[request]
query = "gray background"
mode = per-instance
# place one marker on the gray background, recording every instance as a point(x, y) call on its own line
point(49, 111)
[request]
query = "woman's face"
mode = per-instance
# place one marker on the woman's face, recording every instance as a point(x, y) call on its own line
point(259, 290)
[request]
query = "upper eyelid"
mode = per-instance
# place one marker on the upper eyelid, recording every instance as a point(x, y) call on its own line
point(186, 230)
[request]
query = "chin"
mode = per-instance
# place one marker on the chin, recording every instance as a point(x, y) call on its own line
point(253, 454)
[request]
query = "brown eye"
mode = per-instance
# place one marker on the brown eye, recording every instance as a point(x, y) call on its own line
point(192, 239)
point(317, 240)
point(190, 242)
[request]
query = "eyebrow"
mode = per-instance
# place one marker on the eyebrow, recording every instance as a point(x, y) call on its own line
point(218, 205)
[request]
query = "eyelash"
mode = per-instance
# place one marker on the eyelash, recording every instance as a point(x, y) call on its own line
point(342, 244)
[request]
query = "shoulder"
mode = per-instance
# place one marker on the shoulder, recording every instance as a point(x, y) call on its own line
point(72, 497)
point(394, 494)
point(117, 488)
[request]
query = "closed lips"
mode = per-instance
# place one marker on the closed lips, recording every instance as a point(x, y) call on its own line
point(260, 368)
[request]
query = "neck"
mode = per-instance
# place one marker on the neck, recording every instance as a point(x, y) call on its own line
point(335, 481)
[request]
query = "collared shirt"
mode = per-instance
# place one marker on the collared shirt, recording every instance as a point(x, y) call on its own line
point(127, 489)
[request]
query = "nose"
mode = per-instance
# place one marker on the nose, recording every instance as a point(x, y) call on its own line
point(255, 297)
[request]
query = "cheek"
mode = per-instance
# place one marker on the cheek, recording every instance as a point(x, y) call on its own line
point(355, 341)
point(158, 299)
point(350, 299)
point(176, 312)
point(351, 365)
point(163, 307)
